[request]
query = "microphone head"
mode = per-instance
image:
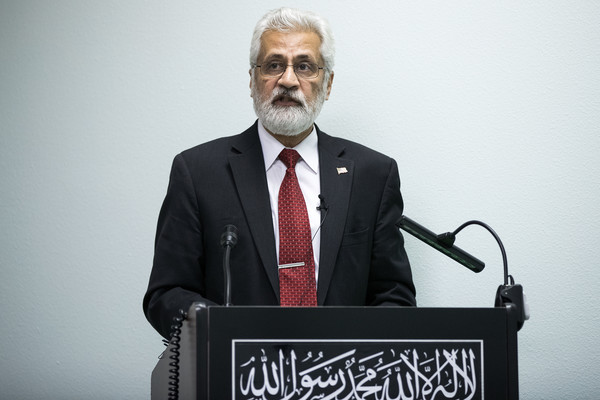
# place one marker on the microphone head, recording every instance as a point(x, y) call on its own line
point(229, 236)
point(322, 205)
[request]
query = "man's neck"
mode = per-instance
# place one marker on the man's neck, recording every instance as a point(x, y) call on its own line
point(291, 141)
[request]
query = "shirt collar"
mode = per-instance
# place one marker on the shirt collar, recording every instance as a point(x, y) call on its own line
point(271, 147)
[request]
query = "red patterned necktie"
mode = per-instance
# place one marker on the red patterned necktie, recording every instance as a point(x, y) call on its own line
point(297, 283)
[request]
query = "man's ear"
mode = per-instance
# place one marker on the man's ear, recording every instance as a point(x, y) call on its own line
point(329, 85)
point(251, 82)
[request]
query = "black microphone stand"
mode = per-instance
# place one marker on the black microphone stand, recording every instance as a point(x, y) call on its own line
point(229, 239)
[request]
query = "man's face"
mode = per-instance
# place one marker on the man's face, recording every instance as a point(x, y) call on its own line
point(288, 105)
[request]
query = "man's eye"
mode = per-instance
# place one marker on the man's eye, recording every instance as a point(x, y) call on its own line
point(304, 66)
point(274, 66)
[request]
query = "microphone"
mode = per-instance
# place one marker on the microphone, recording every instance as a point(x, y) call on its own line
point(441, 244)
point(322, 205)
point(229, 239)
point(229, 236)
point(509, 295)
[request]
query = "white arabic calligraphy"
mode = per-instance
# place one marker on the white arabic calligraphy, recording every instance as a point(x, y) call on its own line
point(451, 373)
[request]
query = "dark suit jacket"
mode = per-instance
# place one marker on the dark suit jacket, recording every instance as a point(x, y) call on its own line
point(222, 182)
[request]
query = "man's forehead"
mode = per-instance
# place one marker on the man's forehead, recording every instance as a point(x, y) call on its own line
point(299, 44)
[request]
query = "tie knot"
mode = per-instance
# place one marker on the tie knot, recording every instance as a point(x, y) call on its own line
point(289, 157)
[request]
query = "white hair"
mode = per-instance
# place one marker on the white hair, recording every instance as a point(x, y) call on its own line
point(293, 20)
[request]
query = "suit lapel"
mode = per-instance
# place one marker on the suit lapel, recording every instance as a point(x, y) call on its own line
point(336, 184)
point(247, 166)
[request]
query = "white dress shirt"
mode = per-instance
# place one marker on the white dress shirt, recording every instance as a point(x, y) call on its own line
point(307, 171)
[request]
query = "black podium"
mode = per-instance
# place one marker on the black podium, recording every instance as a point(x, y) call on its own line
point(251, 353)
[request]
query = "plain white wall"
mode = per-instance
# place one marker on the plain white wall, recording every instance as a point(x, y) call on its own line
point(491, 109)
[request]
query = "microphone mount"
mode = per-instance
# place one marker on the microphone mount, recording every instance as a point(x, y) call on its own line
point(447, 240)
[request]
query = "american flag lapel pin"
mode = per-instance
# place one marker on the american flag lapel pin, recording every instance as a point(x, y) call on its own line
point(342, 170)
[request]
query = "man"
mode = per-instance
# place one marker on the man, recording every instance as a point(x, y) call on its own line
point(352, 253)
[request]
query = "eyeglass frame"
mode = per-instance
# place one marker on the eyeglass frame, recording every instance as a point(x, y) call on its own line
point(293, 68)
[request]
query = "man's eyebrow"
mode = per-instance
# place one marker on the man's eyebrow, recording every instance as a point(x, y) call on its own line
point(304, 57)
point(300, 57)
point(274, 55)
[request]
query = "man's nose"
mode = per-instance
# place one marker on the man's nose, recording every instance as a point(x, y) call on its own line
point(289, 79)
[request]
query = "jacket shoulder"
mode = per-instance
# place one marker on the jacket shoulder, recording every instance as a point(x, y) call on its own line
point(221, 147)
point(345, 148)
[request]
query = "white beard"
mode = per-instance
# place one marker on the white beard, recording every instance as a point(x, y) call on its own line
point(287, 120)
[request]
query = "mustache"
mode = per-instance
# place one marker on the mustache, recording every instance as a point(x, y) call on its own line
point(283, 93)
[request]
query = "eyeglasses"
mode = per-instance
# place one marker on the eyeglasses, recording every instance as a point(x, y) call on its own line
point(303, 70)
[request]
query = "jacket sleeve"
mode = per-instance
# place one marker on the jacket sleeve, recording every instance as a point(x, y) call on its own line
point(177, 279)
point(390, 277)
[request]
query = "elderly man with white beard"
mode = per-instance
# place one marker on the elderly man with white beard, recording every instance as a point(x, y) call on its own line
point(316, 215)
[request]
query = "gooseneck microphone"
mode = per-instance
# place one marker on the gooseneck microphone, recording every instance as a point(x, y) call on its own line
point(229, 239)
point(229, 236)
point(427, 236)
point(508, 295)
